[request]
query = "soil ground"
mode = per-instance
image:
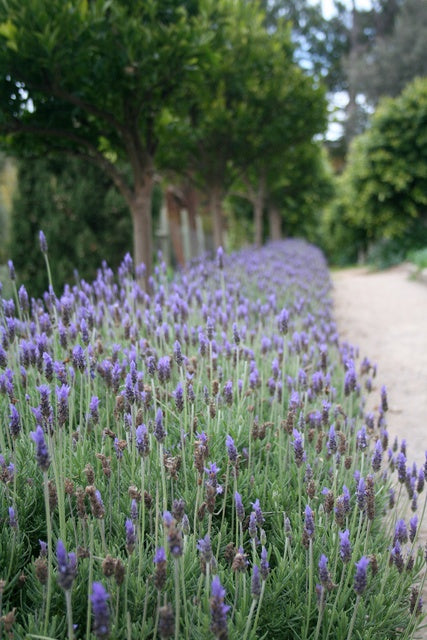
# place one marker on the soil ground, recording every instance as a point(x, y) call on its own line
point(384, 314)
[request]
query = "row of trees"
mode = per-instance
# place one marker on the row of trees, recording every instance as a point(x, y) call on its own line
point(198, 88)
point(227, 97)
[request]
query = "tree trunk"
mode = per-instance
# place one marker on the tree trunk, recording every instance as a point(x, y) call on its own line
point(191, 199)
point(174, 218)
point(275, 223)
point(215, 207)
point(258, 205)
point(142, 225)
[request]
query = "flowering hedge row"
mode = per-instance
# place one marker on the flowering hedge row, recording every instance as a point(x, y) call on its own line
point(194, 460)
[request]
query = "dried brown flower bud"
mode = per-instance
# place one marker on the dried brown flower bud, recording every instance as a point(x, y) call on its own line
point(201, 511)
point(239, 562)
point(319, 443)
point(53, 495)
point(373, 563)
point(108, 566)
point(172, 465)
point(148, 500)
point(212, 409)
point(348, 462)
point(80, 500)
point(134, 494)
point(230, 552)
point(69, 486)
point(41, 570)
point(311, 489)
point(8, 619)
point(90, 474)
point(119, 572)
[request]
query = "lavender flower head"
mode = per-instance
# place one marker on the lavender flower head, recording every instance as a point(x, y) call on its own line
point(240, 511)
point(400, 532)
point(298, 446)
point(204, 546)
point(401, 467)
point(309, 522)
point(231, 449)
point(141, 440)
point(43, 242)
point(14, 421)
point(67, 566)
point(42, 453)
point(255, 582)
point(218, 610)
point(130, 535)
point(413, 524)
point(360, 580)
point(324, 575)
point(12, 518)
point(345, 546)
point(101, 614)
point(159, 431)
point(265, 566)
point(258, 513)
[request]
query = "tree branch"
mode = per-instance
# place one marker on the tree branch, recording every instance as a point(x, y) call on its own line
point(92, 152)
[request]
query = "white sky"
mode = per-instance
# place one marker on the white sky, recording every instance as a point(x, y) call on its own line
point(328, 6)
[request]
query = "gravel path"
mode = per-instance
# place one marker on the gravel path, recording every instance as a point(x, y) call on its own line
point(385, 315)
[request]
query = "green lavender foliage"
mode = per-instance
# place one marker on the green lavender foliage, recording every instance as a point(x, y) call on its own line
point(240, 307)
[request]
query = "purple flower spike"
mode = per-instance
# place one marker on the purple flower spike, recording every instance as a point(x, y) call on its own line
point(325, 577)
point(43, 242)
point(282, 321)
point(265, 567)
point(160, 555)
point(12, 518)
point(298, 448)
point(205, 547)
point(345, 547)
point(377, 456)
point(309, 522)
point(101, 614)
point(360, 580)
point(218, 610)
point(142, 443)
point(255, 582)
point(42, 453)
point(67, 566)
point(130, 535)
point(239, 507)
point(14, 421)
point(413, 524)
point(400, 532)
point(401, 467)
point(12, 274)
point(258, 513)
point(231, 449)
point(159, 431)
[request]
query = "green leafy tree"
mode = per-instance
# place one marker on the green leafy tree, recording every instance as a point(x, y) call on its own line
point(384, 186)
point(80, 212)
point(91, 79)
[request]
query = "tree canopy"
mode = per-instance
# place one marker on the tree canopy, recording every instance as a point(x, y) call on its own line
point(91, 79)
point(384, 186)
point(114, 83)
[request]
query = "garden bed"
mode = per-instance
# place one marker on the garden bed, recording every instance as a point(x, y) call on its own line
point(195, 461)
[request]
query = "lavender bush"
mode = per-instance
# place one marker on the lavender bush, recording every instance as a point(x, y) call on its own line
point(195, 461)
